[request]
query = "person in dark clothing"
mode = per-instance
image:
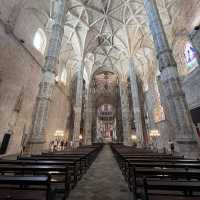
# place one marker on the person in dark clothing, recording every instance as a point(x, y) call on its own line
point(172, 147)
point(62, 145)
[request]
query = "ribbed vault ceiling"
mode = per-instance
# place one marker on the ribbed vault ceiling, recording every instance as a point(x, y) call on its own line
point(113, 30)
point(107, 32)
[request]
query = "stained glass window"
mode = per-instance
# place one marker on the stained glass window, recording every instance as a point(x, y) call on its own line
point(64, 76)
point(191, 57)
point(39, 41)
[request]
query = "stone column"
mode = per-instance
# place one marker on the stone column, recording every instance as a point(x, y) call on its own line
point(78, 106)
point(150, 102)
point(119, 116)
point(94, 120)
point(175, 100)
point(88, 120)
point(48, 79)
point(165, 127)
point(136, 101)
point(119, 129)
point(125, 113)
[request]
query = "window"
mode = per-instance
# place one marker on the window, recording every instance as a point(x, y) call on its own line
point(39, 41)
point(191, 56)
point(63, 78)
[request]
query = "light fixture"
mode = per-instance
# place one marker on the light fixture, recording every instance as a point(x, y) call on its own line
point(154, 133)
point(133, 137)
point(80, 137)
point(59, 133)
point(56, 79)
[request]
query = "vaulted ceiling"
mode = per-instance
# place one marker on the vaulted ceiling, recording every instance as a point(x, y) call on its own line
point(107, 32)
point(113, 30)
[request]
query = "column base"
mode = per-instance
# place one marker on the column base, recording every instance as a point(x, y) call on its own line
point(128, 143)
point(36, 148)
point(76, 144)
point(188, 148)
point(88, 142)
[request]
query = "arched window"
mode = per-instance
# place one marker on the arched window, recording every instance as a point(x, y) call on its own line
point(63, 77)
point(39, 41)
point(191, 56)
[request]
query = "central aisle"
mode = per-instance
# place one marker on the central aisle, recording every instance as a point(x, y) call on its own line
point(103, 180)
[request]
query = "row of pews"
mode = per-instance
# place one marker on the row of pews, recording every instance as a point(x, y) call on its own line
point(155, 176)
point(49, 176)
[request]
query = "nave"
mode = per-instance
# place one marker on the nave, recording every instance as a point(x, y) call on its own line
point(99, 99)
point(103, 180)
point(92, 173)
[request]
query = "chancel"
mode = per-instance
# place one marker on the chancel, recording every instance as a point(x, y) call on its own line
point(100, 99)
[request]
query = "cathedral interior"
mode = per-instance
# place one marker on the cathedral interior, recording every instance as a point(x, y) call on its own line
point(103, 81)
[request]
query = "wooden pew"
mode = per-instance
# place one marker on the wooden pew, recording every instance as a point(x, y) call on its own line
point(87, 155)
point(161, 174)
point(159, 164)
point(163, 169)
point(82, 159)
point(123, 161)
point(70, 164)
point(25, 183)
point(58, 173)
point(75, 165)
point(58, 166)
point(168, 189)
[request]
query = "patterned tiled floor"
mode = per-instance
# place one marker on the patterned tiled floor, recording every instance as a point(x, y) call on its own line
point(103, 180)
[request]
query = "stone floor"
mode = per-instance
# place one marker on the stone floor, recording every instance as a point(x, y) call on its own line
point(103, 180)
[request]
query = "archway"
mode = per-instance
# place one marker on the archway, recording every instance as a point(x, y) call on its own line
point(106, 107)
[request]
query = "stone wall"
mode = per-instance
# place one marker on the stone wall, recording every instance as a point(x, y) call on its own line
point(20, 75)
point(191, 87)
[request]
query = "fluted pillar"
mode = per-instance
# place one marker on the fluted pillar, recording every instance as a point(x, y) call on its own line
point(136, 101)
point(48, 79)
point(125, 113)
point(119, 121)
point(88, 120)
point(175, 101)
point(78, 106)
